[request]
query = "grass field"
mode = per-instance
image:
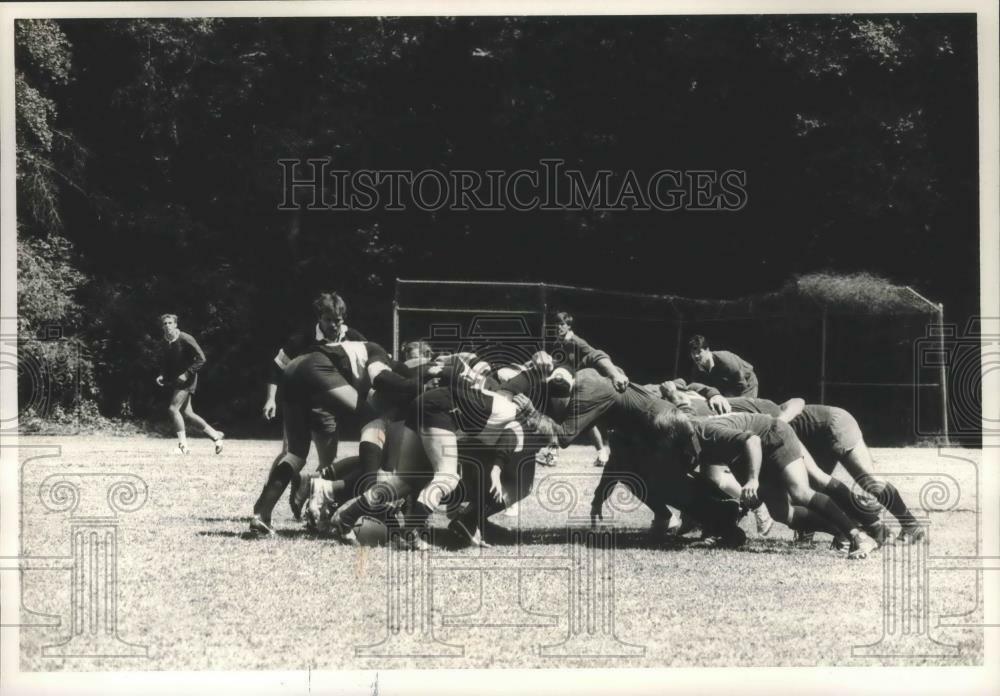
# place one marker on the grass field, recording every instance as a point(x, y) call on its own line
point(202, 595)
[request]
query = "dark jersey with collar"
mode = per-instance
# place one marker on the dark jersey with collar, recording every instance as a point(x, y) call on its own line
point(730, 374)
point(594, 399)
point(183, 355)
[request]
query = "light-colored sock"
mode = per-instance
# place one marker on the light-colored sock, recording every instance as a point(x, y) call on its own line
point(182, 439)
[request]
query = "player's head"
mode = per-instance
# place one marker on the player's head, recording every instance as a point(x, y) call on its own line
point(563, 322)
point(168, 323)
point(676, 433)
point(700, 353)
point(413, 350)
point(331, 313)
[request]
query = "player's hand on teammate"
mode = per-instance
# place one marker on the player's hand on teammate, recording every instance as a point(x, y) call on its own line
point(749, 495)
point(159, 380)
point(270, 409)
point(720, 404)
point(543, 362)
point(620, 381)
point(496, 488)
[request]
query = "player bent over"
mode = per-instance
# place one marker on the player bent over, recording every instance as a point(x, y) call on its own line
point(771, 464)
point(180, 362)
point(831, 435)
point(423, 454)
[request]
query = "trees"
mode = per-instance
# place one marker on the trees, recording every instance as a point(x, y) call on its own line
point(151, 145)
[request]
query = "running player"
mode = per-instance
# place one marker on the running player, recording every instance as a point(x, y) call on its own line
point(180, 362)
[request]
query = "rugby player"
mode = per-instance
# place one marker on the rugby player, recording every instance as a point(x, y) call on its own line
point(574, 352)
point(769, 459)
point(643, 435)
point(180, 362)
point(330, 311)
point(423, 453)
point(832, 435)
point(726, 371)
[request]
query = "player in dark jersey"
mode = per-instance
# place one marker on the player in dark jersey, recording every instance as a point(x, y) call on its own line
point(769, 459)
point(814, 430)
point(726, 371)
point(574, 352)
point(180, 362)
point(831, 435)
point(642, 424)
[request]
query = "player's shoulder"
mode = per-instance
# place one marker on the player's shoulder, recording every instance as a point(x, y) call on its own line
point(354, 335)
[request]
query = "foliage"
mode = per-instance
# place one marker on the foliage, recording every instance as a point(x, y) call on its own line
point(152, 146)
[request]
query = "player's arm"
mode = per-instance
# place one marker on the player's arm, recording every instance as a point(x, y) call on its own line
point(600, 361)
point(736, 372)
point(791, 409)
point(752, 456)
point(196, 359)
point(275, 371)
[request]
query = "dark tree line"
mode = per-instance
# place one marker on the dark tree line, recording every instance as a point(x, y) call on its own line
point(148, 179)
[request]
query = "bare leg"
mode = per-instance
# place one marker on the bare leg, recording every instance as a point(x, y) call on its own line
point(198, 421)
point(176, 408)
point(796, 482)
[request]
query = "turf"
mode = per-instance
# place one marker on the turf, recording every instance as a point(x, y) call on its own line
point(200, 594)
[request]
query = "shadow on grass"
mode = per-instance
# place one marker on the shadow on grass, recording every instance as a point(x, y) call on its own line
point(224, 519)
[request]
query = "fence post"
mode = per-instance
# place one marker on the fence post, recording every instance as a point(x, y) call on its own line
point(944, 379)
point(395, 322)
point(822, 362)
point(545, 312)
point(677, 351)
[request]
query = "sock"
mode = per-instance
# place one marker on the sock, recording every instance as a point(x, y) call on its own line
point(182, 438)
point(279, 478)
point(889, 497)
point(805, 520)
point(828, 509)
point(417, 515)
point(371, 456)
point(849, 504)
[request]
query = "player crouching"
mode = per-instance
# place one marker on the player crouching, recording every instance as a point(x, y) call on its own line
point(768, 460)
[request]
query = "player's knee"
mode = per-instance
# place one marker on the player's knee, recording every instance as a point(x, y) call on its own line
point(374, 432)
point(800, 494)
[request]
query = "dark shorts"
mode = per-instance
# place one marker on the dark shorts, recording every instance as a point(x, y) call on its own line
point(433, 409)
point(191, 386)
point(309, 374)
point(307, 379)
point(780, 447)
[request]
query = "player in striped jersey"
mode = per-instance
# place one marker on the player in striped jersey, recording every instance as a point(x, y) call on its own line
point(330, 311)
point(424, 455)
